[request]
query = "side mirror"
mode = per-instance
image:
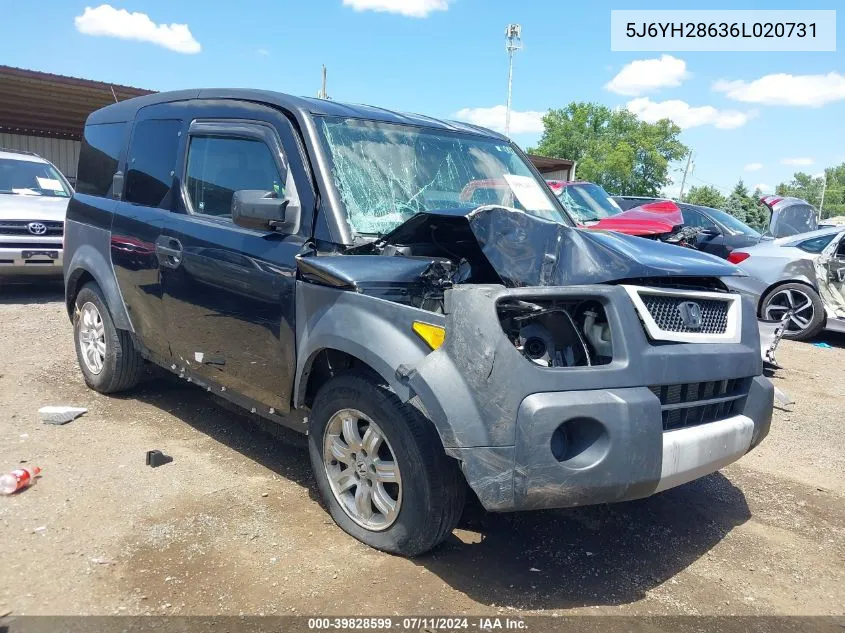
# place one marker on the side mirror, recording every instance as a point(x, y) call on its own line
point(264, 211)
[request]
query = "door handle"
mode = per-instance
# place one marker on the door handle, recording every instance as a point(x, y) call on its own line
point(169, 251)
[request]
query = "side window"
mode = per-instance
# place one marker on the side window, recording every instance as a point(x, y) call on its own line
point(218, 166)
point(152, 161)
point(697, 219)
point(816, 245)
point(98, 158)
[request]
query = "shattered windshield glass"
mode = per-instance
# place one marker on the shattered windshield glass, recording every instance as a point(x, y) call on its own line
point(387, 173)
point(588, 202)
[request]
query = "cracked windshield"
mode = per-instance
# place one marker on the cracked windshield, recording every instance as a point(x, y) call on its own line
point(386, 173)
point(588, 202)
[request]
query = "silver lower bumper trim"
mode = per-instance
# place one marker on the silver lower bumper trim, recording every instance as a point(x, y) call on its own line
point(700, 450)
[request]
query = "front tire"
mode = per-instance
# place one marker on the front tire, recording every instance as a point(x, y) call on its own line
point(381, 469)
point(107, 357)
point(807, 307)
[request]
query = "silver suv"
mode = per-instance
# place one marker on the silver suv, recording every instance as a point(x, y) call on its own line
point(33, 202)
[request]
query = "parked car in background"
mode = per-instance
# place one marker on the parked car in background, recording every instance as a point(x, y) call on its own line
point(593, 208)
point(790, 216)
point(802, 274)
point(720, 232)
point(33, 200)
point(426, 336)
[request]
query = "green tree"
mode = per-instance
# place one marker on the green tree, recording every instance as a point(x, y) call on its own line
point(613, 148)
point(706, 196)
point(747, 207)
point(809, 188)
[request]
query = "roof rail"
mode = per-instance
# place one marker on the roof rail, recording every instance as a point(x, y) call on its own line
point(19, 151)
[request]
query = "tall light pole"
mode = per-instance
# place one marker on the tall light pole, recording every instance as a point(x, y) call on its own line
point(513, 42)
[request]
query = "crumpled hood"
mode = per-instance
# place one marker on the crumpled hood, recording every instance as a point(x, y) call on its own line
point(525, 250)
point(22, 207)
point(653, 218)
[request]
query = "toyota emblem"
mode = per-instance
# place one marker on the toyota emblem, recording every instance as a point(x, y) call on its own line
point(690, 314)
point(36, 228)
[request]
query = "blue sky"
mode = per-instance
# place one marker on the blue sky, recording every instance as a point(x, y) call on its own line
point(449, 58)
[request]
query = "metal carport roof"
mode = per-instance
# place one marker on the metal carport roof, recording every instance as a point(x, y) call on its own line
point(43, 104)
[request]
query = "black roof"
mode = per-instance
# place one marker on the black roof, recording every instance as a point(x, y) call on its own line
point(300, 106)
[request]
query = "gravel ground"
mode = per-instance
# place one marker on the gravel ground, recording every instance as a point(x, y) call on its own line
point(232, 526)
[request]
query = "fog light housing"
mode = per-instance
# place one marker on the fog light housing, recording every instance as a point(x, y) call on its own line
point(580, 443)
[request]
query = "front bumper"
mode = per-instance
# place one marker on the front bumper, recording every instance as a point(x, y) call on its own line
point(32, 261)
point(623, 453)
point(530, 437)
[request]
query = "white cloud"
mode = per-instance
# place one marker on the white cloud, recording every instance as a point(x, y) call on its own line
point(783, 89)
point(107, 21)
point(687, 116)
point(262, 52)
point(646, 75)
point(798, 162)
point(753, 167)
point(528, 122)
point(408, 8)
point(763, 187)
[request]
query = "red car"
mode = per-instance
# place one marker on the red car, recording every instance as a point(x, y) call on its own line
point(592, 207)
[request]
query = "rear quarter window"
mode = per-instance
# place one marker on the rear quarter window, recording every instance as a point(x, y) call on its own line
point(99, 157)
point(151, 161)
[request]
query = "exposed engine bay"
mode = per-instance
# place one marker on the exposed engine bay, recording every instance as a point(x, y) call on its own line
point(420, 260)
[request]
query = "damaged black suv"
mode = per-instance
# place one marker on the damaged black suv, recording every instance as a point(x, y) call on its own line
point(409, 293)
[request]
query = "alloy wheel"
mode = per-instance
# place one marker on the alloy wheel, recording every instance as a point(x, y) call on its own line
point(797, 302)
point(362, 470)
point(92, 338)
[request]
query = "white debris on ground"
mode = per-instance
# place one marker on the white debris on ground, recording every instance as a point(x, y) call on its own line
point(60, 415)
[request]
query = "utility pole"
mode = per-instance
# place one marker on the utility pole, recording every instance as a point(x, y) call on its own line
point(684, 180)
point(323, 94)
point(513, 42)
point(824, 188)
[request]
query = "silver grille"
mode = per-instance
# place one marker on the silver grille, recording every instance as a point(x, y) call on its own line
point(665, 310)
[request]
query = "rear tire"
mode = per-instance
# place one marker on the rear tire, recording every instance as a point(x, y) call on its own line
point(808, 317)
point(107, 356)
point(419, 501)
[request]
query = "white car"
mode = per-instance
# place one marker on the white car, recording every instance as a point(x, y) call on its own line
point(33, 201)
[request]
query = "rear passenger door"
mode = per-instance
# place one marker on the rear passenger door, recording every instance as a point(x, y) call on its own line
point(229, 291)
point(150, 192)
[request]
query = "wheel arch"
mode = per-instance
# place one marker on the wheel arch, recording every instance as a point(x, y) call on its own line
point(335, 324)
point(89, 264)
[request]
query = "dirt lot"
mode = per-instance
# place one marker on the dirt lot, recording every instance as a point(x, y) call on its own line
point(233, 526)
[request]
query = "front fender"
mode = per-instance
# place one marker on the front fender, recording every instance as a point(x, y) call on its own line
point(373, 330)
